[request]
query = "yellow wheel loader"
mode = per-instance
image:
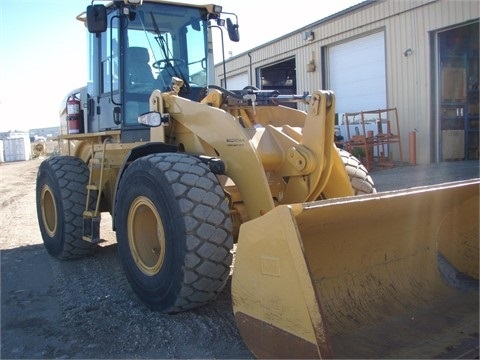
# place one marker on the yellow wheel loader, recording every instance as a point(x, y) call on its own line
point(194, 174)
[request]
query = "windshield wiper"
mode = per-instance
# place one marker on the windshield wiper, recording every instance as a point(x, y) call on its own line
point(177, 71)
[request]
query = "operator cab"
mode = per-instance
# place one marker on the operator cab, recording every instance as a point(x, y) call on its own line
point(137, 48)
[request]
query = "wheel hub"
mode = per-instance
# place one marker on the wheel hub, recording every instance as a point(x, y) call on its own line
point(146, 236)
point(49, 211)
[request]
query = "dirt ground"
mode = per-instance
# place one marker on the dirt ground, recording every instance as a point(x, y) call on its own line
point(85, 308)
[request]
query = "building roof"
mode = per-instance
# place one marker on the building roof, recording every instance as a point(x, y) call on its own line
point(312, 25)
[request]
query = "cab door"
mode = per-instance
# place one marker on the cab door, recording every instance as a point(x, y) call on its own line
point(109, 99)
point(104, 100)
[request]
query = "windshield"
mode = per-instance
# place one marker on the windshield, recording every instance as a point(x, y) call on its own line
point(164, 41)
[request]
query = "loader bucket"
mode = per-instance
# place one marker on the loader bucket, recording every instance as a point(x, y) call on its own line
point(387, 275)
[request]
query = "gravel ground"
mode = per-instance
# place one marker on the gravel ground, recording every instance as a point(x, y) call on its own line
point(86, 309)
point(407, 176)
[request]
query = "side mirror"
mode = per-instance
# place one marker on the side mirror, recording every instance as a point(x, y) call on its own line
point(96, 18)
point(233, 31)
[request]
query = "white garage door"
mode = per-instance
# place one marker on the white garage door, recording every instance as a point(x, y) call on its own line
point(236, 82)
point(357, 74)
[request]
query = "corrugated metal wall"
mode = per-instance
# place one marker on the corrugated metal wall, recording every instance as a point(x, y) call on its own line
point(407, 24)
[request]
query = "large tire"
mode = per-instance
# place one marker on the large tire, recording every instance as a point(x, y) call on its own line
point(360, 179)
point(174, 232)
point(61, 195)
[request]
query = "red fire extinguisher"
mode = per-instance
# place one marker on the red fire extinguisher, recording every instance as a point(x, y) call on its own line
point(73, 115)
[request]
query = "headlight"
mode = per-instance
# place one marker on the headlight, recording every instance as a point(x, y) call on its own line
point(150, 119)
point(133, 2)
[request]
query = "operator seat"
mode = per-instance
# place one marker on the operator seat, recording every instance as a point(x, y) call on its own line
point(139, 83)
point(138, 70)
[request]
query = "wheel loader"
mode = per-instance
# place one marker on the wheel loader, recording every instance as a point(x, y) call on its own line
point(197, 178)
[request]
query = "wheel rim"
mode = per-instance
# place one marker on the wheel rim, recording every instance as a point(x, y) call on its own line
point(146, 236)
point(49, 211)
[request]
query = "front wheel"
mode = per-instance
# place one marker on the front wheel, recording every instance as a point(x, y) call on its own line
point(174, 232)
point(360, 179)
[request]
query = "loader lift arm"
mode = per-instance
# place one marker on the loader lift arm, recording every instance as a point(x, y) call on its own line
point(306, 156)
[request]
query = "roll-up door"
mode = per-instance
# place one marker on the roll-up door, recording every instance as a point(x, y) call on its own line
point(236, 82)
point(356, 73)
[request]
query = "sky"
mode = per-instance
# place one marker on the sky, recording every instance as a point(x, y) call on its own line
point(43, 48)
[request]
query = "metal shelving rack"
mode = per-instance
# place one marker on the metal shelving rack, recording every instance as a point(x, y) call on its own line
point(376, 147)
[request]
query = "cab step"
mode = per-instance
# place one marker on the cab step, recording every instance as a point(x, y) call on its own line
point(91, 228)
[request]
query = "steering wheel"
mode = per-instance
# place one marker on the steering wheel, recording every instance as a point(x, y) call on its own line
point(165, 63)
point(169, 67)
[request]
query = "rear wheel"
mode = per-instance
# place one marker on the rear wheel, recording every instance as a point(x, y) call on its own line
point(61, 196)
point(360, 179)
point(174, 232)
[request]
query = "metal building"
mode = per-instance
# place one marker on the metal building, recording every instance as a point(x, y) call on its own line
point(420, 57)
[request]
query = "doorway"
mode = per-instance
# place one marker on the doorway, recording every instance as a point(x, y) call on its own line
point(281, 76)
point(458, 105)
